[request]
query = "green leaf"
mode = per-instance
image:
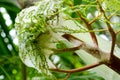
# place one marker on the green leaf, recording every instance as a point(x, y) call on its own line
point(3, 49)
point(9, 6)
point(77, 2)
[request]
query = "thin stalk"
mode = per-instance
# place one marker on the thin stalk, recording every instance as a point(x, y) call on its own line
point(79, 69)
point(89, 27)
point(8, 76)
point(24, 76)
point(110, 29)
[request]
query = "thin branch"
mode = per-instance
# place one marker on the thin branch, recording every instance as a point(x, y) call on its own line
point(117, 32)
point(104, 57)
point(79, 69)
point(89, 27)
point(112, 33)
point(94, 51)
point(109, 17)
point(92, 21)
point(68, 75)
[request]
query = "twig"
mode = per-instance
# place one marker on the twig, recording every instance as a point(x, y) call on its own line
point(111, 31)
point(109, 17)
point(87, 25)
point(117, 32)
point(89, 28)
point(92, 21)
point(94, 51)
point(68, 75)
point(79, 69)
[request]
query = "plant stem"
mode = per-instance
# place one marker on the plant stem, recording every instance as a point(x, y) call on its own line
point(110, 29)
point(89, 27)
point(24, 76)
point(79, 69)
point(7, 75)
